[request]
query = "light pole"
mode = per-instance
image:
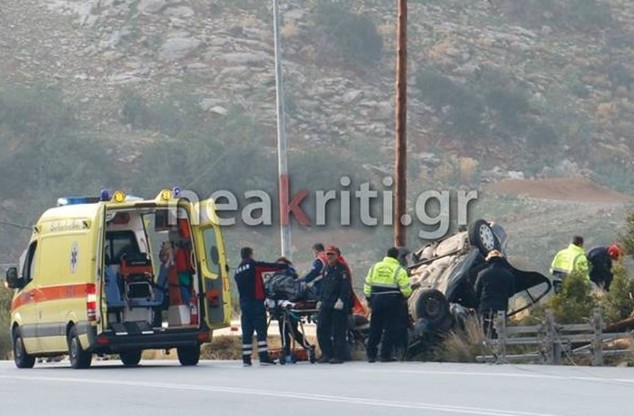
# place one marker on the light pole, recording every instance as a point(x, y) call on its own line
point(282, 167)
point(400, 147)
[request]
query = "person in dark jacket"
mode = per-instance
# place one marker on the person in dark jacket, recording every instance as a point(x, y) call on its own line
point(494, 287)
point(314, 275)
point(600, 259)
point(252, 295)
point(333, 304)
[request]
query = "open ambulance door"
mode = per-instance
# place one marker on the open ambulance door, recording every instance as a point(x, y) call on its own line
point(212, 262)
point(98, 241)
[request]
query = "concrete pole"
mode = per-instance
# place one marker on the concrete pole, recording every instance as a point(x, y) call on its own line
point(400, 166)
point(285, 226)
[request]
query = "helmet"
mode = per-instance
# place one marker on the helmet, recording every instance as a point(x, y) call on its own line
point(615, 251)
point(493, 253)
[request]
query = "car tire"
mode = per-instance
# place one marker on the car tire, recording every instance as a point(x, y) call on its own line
point(21, 358)
point(188, 356)
point(131, 358)
point(430, 304)
point(79, 358)
point(481, 235)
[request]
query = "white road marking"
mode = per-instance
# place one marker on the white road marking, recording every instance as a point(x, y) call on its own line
point(465, 410)
point(501, 375)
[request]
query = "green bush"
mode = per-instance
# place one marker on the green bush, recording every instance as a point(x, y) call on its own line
point(588, 14)
point(35, 112)
point(627, 236)
point(354, 35)
point(5, 339)
point(575, 303)
point(541, 134)
point(617, 304)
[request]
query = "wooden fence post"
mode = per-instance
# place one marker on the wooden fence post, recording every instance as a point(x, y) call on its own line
point(553, 347)
point(500, 324)
point(597, 341)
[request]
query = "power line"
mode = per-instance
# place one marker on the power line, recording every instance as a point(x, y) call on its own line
point(12, 224)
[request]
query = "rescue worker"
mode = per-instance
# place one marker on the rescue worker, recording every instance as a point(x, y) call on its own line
point(248, 278)
point(570, 260)
point(600, 259)
point(386, 286)
point(333, 308)
point(313, 277)
point(494, 286)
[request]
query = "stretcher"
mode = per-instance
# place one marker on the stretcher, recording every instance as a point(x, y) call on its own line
point(292, 318)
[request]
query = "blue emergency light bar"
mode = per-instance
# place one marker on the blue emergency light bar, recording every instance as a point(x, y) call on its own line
point(75, 200)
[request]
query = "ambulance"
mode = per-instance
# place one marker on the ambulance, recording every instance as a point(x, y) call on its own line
point(117, 274)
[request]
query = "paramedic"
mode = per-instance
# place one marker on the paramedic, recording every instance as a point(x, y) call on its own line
point(333, 309)
point(253, 314)
point(386, 286)
point(314, 275)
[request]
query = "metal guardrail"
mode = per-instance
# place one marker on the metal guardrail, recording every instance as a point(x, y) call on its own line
point(554, 341)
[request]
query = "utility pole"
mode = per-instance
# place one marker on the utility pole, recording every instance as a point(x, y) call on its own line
point(400, 148)
point(285, 226)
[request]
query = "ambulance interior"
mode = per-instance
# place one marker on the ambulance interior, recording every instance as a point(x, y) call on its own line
point(150, 280)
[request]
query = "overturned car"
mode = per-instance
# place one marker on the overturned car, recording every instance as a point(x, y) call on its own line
point(443, 276)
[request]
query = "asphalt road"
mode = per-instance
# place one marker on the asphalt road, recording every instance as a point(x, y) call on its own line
point(351, 389)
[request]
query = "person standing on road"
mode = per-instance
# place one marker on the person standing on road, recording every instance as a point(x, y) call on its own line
point(600, 259)
point(494, 286)
point(248, 278)
point(315, 274)
point(333, 308)
point(386, 286)
point(571, 260)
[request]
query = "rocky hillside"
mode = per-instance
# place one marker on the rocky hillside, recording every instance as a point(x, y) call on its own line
point(574, 73)
point(497, 88)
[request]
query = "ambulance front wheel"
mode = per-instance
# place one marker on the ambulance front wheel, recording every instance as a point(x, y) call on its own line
point(20, 356)
point(188, 355)
point(79, 358)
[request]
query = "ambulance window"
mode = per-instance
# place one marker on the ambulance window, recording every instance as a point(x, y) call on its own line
point(211, 247)
point(119, 243)
point(28, 272)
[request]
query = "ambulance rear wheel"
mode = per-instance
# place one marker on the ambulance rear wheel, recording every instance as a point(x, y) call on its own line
point(20, 356)
point(79, 358)
point(130, 358)
point(188, 355)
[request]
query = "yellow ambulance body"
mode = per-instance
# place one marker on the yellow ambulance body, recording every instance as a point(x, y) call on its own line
point(119, 275)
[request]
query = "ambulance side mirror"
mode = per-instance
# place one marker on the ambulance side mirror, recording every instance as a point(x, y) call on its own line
point(13, 281)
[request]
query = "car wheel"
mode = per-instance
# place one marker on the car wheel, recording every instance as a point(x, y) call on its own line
point(21, 358)
point(481, 236)
point(431, 305)
point(130, 358)
point(188, 356)
point(79, 358)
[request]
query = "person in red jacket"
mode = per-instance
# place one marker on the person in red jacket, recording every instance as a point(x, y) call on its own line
point(248, 278)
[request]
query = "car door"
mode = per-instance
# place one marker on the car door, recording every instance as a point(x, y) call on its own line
point(212, 264)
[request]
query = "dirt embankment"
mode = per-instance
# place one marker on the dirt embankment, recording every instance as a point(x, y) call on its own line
point(562, 189)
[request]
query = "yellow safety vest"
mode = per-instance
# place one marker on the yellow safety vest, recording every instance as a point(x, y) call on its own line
point(570, 260)
point(387, 276)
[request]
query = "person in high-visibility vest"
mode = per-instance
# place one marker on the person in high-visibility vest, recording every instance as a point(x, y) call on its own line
point(570, 260)
point(386, 284)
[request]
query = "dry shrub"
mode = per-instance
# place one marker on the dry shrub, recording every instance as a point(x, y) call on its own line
point(464, 344)
point(289, 31)
point(225, 347)
point(468, 168)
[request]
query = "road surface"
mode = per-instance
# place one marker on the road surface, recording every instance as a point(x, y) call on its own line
point(351, 389)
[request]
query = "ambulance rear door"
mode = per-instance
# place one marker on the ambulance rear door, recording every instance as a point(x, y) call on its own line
point(210, 252)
